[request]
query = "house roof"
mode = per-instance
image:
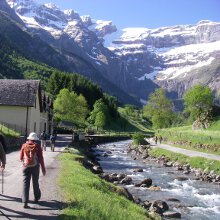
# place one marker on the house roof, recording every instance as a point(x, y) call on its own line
point(18, 92)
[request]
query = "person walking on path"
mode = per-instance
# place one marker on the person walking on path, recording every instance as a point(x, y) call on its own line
point(52, 141)
point(32, 156)
point(43, 138)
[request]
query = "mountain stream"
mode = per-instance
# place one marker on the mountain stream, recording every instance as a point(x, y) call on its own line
point(194, 199)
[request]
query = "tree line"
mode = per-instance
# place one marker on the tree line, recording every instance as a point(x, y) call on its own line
point(198, 108)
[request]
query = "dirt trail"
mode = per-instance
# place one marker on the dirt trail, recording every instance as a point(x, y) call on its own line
point(190, 153)
point(50, 203)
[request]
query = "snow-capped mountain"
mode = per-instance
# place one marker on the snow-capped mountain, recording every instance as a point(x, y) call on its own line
point(135, 59)
point(180, 49)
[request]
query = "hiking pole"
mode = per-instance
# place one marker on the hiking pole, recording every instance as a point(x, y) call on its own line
point(2, 181)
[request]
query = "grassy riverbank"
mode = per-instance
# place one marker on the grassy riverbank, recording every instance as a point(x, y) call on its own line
point(90, 198)
point(206, 140)
point(195, 162)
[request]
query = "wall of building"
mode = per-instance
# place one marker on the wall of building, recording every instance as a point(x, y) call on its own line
point(15, 116)
point(34, 118)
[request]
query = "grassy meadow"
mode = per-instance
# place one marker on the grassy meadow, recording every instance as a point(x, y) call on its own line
point(206, 140)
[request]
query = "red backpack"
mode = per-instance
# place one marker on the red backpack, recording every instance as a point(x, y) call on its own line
point(30, 154)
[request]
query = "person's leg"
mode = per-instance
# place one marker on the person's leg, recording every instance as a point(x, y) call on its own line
point(53, 146)
point(35, 180)
point(26, 185)
point(45, 145)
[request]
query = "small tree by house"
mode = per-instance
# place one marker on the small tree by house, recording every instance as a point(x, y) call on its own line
point(69, 106)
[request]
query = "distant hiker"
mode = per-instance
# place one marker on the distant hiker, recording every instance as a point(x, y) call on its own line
point(43, 138)
point(32, 156)
point(156, 139)
point(160, 139)
point(55, 134)
point(2, 154)
point(52, 141)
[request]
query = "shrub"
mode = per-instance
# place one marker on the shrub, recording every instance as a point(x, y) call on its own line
point(138, 138)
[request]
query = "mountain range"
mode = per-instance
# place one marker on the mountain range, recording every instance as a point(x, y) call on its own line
point(129, 63)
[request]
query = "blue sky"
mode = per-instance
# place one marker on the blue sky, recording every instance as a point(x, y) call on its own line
point(144, 13)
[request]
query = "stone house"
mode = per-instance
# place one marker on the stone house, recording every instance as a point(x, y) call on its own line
point(24, 107)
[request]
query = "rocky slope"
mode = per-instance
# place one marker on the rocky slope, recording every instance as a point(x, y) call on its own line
point(173, 57)
point(33, 46)
point(137, 60)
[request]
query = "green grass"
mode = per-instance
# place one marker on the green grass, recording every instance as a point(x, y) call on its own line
point(8, 132)
point(206, 140)
point(195, 162)
point(90, 198)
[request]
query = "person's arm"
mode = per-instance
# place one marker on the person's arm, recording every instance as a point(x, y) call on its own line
point(22, 153)
point(41, 159)
point(2, 157)
point(2, 140)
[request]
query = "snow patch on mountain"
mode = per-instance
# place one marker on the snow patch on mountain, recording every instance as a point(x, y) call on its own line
point(189, 57)
point(161, 55)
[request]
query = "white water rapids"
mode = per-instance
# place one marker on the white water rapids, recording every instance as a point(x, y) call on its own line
point(195, 199)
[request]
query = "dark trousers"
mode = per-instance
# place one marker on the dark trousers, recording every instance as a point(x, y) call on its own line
point(28, 173)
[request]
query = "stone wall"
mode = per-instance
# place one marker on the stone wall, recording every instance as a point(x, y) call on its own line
point(12, 142)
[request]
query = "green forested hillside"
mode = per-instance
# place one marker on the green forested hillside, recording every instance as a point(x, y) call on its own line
point(23, 56)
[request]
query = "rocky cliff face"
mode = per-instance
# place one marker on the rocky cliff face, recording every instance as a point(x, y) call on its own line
point(137, 60)
point(175, 58)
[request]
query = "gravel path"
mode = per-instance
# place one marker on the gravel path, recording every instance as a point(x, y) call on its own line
point(50, 203)
point(190, 153)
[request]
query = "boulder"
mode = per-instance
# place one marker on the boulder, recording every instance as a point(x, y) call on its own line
point(145, 156)
point(172, 214)
point(186, 172)
point(105, 176)
point(168, 164)
point(146, 204)
point(154, 188)
point(127, 180)
point(173, 200)
point(97, 169)
point(156, 209)
point(138, 170)
point(121, 176)
point(161, 204)
point(181, 178)
point(147, 182)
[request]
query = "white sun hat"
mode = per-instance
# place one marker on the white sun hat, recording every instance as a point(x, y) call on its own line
point(33, 136)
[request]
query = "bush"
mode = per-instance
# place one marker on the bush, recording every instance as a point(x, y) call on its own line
point(138, 138)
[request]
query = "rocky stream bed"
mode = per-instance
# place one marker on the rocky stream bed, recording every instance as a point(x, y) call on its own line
point(167, 188)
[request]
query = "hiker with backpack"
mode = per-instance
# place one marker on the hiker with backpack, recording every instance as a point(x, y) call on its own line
point(32, 156)
point(52, 141)
point(43, 137)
